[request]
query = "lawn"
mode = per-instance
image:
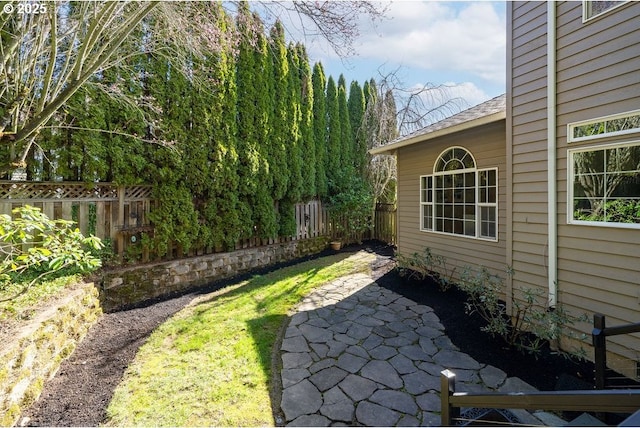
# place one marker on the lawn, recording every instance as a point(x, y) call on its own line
point(210, 365)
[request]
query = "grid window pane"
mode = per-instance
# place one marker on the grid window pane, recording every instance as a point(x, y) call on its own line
point(458, 193)
point(606, 185)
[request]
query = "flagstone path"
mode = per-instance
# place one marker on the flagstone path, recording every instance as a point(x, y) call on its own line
point(355, 353)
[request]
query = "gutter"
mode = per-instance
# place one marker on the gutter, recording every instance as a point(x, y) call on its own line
point(390, 148)
point(552, 217)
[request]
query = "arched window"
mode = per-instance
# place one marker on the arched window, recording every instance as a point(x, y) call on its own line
point(458, 198)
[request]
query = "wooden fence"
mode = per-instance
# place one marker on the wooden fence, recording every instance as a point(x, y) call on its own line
point(121, 214)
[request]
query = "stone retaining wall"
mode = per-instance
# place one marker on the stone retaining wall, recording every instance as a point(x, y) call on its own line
point(35, 355)
point(129, 286)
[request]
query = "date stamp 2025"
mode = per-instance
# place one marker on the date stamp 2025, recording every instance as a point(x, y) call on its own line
point(24, 8)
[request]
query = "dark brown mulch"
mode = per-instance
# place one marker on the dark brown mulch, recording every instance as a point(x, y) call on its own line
point(81, 390)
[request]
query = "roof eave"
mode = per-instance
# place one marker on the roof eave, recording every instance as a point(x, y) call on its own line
point(390, 149)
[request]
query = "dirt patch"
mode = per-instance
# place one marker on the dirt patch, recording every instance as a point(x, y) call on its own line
point(83, 386)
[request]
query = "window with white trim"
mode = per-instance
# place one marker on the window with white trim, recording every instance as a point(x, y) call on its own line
point(604, 185)
point(607, 126)
point(595, 8)
point(458, 198)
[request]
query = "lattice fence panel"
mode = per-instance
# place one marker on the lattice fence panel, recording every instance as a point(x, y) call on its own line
point(41, 191)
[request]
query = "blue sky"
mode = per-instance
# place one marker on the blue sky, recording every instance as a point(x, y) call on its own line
point(453, 43)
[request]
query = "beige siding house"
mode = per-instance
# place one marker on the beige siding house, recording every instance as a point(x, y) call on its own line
point(568, 173)
point(452, 188)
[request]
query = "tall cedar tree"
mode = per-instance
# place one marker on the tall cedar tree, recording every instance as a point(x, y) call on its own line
point(264, 214)
point(248, 93)
point(334, 146)
point(254, 132)
point(320, 128)
point(308, 145)
point(221, 206)
point(279, 124)
point(356, 114)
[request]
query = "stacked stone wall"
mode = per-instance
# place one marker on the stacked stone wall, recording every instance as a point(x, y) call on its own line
point(28, 360)
point(130, 286)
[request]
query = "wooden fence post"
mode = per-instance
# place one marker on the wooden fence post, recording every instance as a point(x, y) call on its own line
point(447, 387)
point(120, 225)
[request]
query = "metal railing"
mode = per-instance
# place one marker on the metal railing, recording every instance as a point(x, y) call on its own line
point(613, 401)
point(599, 335)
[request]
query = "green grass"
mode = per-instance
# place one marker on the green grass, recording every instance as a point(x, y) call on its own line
point(210, 364)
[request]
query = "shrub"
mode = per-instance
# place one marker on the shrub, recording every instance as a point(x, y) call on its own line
point(427, 265)
point(32, 246)
point(530, 324)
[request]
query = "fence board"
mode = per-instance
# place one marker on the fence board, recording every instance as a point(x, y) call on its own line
point(123, 211)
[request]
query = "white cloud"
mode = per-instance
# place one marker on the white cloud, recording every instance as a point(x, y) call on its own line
point(462, 37)
point(441, 36)
point(469, 92)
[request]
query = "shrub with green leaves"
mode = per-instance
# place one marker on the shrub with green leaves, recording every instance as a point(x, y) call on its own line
point(32, 247)
point(529, 325)
point(427, 265)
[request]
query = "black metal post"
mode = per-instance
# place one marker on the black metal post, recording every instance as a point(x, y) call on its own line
point(600, 349)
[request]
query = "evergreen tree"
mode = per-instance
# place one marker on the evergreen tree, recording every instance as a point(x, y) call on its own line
point(294, 154)
point(320, 128)
point(279, 119)
point(264, 214)
point(334, 131)
point(356, 113)
point(308, 146)
point(347, 161)
point(221, 209)
point(247, 94)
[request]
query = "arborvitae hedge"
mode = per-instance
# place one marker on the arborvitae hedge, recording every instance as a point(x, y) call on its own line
point(252, 130)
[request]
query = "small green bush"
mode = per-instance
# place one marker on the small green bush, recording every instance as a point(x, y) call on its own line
point(427, 265)
point(529, 325)
point(32, 247)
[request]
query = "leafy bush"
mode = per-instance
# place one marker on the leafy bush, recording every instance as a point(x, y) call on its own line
point(615, 211)
point(530, 324)
point(427, 265)
point(32, 246)
point(351, 207)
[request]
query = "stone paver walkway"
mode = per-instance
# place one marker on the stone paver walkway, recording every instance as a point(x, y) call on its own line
point(358, 354)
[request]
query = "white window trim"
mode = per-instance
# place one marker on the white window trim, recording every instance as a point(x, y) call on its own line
point(586, 18)
point(570, 176)
point(571, 126)
point(477, 220)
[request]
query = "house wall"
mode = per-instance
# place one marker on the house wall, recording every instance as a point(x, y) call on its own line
point(597, 72)
point(487, 144)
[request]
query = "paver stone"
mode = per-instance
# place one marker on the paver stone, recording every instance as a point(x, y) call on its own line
point(402, 364)
point(316, 334)
point(310, 421)
point(292, 376)
point(374, 415)
point(295, 344)
point(396, 400)
point(328, 378)
point(492, 376)
point(351, 363)
point(419, 382)
point(357, 387)
point(382, 372)
point(337, 406)
point(300, 399)
point(456, 360)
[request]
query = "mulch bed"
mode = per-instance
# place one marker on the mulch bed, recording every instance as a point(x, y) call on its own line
point(83, 386)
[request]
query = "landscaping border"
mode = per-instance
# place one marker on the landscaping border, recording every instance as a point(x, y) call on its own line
point(35, 355)
point(133, 286)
